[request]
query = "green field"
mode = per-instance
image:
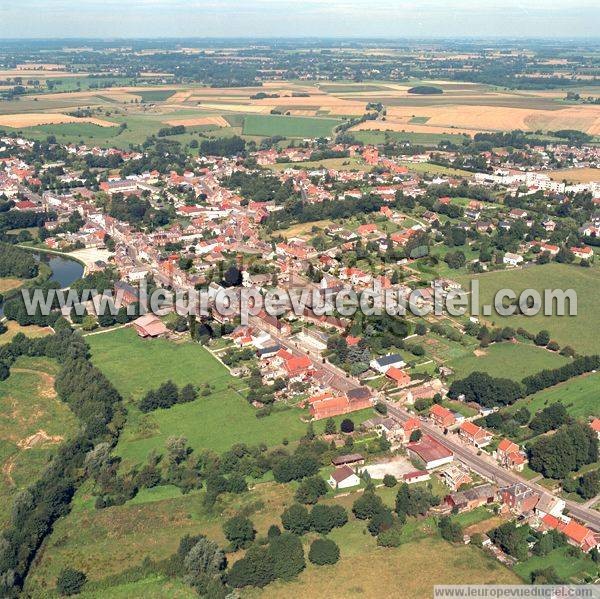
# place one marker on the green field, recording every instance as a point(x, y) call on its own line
point(571, 569)
point(508, 360)
point(216, 421)
point(155, 95)
point(28, 405)
point(579, 331)
point(580, 396)
point(288, 126)
point(425, 139)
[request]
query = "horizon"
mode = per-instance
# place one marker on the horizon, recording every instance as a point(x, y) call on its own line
point(230, 19)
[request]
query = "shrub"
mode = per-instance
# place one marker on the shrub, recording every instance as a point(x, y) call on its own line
point(323, 551)
point(70, 581)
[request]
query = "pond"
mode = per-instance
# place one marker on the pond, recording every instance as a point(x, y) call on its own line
point(64, 271)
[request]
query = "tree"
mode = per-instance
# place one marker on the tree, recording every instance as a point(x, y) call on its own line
point(549, 418)
point(367, 505)
point(380, 521)
point(450, 531)
point(70, 581)
point(347, 425)
point(511, 539)
point(256, 568)
point(542, 338)
point(544, 545)
point(392, 537)
point(288, 555)
point(589, 484)
point(310, 489)
point(274, 531)
point(486, 390)
point(323, 551)
point(187, 393)
point(389, 480)
point(239, 531)
point(323, 518)
point(203, 561)
point(330, 428)
point(415, 435)
point(296, 519)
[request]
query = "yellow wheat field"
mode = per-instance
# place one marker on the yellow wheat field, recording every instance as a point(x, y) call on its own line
point(32, 119)
point(219, 121)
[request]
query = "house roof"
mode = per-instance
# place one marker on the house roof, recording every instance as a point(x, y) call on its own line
point(347, 459)
point(415, 474)
point(441, 411)
point(391, 359)
point(473, 430)
point(596, 424)
point(398, 375)
point(507, 446)
point(429, 450)
point(342, 473)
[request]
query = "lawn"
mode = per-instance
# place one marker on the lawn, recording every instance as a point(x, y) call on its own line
point(215, 422)
point(288, 126)
point(508, 360)
point(436, 170)
point(28, 405)
point(579, 331)
point(579, 395)
point(572, 569)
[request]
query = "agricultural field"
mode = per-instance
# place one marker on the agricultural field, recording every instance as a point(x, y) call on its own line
point(288, 126)
point(216, 421)
point(576, 175)
point(578, 331)
point(33, 423)
point(509, 360)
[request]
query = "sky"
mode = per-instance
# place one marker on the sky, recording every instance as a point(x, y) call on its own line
point(298, 18)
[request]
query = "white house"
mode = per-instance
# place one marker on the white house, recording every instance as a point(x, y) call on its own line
point(384, 363)
point(343, 477)
point(512, 259)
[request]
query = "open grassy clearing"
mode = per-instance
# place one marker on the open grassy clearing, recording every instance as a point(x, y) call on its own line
point(8, 284)
point(572, 569)
point(288, 126)
point(33, 421)
point(508, 360)
point(347, 164)
point(436, 170)
point(579, 395)
point(579, 331)
point(30, 331)
point(303, 228)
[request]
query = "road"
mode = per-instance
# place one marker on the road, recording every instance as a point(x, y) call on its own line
point(484, 465)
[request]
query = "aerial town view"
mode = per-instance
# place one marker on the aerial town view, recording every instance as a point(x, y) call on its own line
point(299, 300)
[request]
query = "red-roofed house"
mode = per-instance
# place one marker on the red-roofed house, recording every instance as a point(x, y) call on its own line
point(509, 455)
point(342, 478)
point(475, 435)
point(401, 378)
point(577, 534)
point(442, 416)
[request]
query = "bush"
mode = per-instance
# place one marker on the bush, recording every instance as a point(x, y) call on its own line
point(239, 531)
point(70, 582)
point(392, 537)
point(347, 425)
point(323, 551)
point(389, 480)
point(296, 519)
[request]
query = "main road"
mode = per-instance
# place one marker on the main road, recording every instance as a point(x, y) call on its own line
point(488, 468)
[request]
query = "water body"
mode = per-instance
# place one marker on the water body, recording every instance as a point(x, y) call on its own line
point(65, 271)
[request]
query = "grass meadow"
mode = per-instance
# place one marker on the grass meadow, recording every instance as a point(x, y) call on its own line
point(579, 331)
point(28, 405)
point(508, 360)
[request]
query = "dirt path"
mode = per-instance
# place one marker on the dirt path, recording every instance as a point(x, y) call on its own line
point(7, 469)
